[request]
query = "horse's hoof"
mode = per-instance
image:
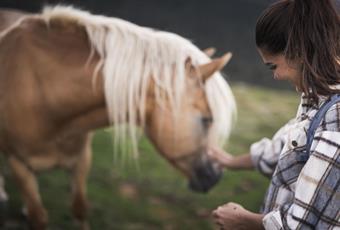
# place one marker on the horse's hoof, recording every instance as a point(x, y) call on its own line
point(24, 212)
point(82, 225)
point(3, 211)
point(3, 205)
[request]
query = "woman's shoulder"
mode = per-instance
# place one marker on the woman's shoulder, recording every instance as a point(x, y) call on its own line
point(331, 121)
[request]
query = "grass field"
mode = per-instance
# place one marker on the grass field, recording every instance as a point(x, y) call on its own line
point(150, 194)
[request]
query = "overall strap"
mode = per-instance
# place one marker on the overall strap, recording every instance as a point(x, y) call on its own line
point(315, 123)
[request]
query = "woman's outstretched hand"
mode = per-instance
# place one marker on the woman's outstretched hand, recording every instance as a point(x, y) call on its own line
point(226, 160)
point(223, 158)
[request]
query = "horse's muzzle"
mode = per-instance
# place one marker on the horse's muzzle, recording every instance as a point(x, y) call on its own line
point(205, 175)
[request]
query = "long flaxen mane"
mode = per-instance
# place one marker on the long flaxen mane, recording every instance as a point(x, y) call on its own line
point(131, 56)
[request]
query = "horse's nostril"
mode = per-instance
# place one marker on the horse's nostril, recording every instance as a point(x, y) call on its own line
point(205, 176)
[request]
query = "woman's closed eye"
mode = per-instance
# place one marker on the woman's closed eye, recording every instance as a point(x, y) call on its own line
point(271, 66)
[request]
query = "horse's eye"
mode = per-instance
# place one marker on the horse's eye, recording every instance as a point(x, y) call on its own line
point(207, 121)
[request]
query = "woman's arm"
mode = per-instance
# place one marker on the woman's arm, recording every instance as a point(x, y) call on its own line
point(263, 154)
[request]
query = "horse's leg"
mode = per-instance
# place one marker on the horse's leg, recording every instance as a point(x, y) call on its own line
point(28, 185)
point(79, 177)
point(3, 200)
point(3, 194)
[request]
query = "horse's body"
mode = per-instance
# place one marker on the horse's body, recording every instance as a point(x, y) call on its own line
point(53, 94)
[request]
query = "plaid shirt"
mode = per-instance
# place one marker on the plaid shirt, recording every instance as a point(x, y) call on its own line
point(302, 195)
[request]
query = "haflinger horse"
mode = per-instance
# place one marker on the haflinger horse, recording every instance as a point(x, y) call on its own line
point(65, 73)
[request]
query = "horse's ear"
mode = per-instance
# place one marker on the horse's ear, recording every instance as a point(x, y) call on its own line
point(189, 66)
point(210, 51)
point(207, 70)
point(188, 63)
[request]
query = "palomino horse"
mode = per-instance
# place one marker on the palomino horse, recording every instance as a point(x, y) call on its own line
point(65, 73)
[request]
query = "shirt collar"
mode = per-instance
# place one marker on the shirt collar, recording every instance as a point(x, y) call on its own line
point(306, 106)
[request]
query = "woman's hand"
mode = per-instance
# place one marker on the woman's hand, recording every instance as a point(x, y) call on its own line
point(234, 217)
point(223, 158)
point(226, 160)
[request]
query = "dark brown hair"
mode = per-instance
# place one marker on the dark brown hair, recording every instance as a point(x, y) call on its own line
point(307, 31)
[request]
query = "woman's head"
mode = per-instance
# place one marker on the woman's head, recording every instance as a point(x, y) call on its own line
point(306, 34)
point(282, 68)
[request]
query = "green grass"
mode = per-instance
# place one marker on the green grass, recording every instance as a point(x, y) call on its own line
point(153, 195)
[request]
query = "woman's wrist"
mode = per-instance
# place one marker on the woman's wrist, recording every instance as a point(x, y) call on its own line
point(240, 162)
point(254, 220)
point(234, 216)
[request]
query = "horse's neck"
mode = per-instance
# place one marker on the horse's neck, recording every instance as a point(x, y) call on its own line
point(57, 54)
point(61, 55)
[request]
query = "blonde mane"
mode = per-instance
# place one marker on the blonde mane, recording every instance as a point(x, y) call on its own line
point(131, 55)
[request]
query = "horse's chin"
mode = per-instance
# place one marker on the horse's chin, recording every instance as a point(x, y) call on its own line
point(202, 187)
point(204, 176)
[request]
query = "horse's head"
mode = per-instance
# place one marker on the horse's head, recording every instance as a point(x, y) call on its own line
point(182, 134)
point(166, 85)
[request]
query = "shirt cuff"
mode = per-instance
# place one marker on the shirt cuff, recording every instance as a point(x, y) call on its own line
point(256, 150)
point(272, 221)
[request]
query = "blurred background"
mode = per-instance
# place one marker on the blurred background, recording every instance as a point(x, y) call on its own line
point(226, 25)
point(150, 194)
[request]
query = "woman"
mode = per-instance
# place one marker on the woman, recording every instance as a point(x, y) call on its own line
point(299, 41)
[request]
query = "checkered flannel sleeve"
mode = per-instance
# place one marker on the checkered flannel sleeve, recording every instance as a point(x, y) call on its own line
point(265, 153)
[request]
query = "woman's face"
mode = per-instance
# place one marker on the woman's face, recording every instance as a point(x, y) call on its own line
point(282, 69)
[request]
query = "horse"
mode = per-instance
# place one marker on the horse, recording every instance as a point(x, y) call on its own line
point(66, 72)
